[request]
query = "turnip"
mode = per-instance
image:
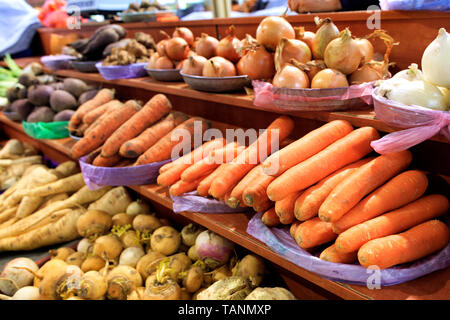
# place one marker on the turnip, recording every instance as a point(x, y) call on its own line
point(50, 266)
point(85, 246)
point(231, 288)
point(130, 256)
point(252, 268)
point(148, 263)
point(178, 263)
point(130, 239)
point(25, 293)
point(195, 295)
point(146, 223)
point(61, 253)
point(213, 249)
point(108, 247)
point(217, 274)
point(93, 286)
point(61, 283)
point(162, 289)
point(165, 240)
point(193, 279)
point(122, 280)
point(192, 253)
point(17, 274)
point(277, 293)
point(93, 223)
point(93, 263)
point(189, 234)
point(185, 295)
point(122, 219)
point(138, 207)
point(137, 294)
point(76, 259)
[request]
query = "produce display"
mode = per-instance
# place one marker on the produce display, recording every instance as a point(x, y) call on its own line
point(8, 78)
point(137, 50)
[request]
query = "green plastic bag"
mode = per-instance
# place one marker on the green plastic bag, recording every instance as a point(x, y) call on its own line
point(47, 130)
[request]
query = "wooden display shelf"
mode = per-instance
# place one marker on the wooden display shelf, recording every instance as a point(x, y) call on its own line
point(233, 226)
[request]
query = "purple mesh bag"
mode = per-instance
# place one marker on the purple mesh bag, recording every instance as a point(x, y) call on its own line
point(280, 241)
point(97, 177)
point(135, 70)
point(58, 62)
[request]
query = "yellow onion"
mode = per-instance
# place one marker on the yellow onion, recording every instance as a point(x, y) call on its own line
point(289, 49)
point(184, 33)
point(206, 46)
point(257, 64)
point(291, 76)
point(367, 50)
point(228, 46)
point(305, 36)
point(329, 78)
point(327, 31)
point(343, 53)
point(218, 67)
point(163, 63)
point(366, 73)
point(313, 67)
point(193, 65)
point(177, 49)
point(436, 60)
point(271, 29)
point(161, 45)
point(245, 44)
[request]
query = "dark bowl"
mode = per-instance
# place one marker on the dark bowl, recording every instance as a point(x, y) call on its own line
point(84, 66)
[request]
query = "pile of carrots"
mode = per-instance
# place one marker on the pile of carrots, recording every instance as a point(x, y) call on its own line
point(121, 134)
point(328, 187)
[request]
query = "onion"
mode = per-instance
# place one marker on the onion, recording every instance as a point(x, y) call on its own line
point(305, 36)
point(152, 61)
point(313, 67)
point(343, 53)
point(366, 49)
point(327, 31)
point(246, 43)
point(366, 73)
point(329, 78)
point(257, 64)
point(193, 65)
point(218, 67)
point(16, 274)
point(177, 49)
point(436, 60)
point(213, 249)
point(164, 63)
point(446, 93)
point(206, 46)
point(228, 46)
point(161, 45)
point(412, 73)
point(184, 33)
point(271, 29)
point(291, 76)
point(289, 49)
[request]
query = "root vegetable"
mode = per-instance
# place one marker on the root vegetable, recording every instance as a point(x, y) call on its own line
point(130, 239)
point(61, 253)
point(329, 78)
point(185, 295)
point(166, 290)
point(189, 234)
point(85, 246)
point(213, 249)
point(116, 200)
point(17, 274)
point(130, 256)
point(122, 280)
point(184, 33)
point(165, 240)
point(271, 29)
point(53, 198)
point(61, 283)
point(192, 253)
point(218, 67)
point(232, 288)
point(177, 263)
point(206, 46)
point(148, 263)
point(93, 286)
point(138, 207)
point(227, 47)
point(289, 49)
point(25, 293)
point(94, 223)
point(50, 266)
point(193, 65)
point(108, 246)
point(252, 268)
point(177, 49)
point(93, 263)
point(146, 223)
point(257, 63)
point(193, 279)
point(12, 149)
point(76, 259)
point(137, 294)
point(122, 219)
point(277, 293)
point(343, 53)
point(324, 35)
point(291, 76)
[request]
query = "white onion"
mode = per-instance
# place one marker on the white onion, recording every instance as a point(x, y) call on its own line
point(410, 74)
point(436, 60)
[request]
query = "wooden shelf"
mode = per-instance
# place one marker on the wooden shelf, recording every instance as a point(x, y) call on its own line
point(233, 226)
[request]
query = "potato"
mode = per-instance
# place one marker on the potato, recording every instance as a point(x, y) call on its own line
point(41, 114)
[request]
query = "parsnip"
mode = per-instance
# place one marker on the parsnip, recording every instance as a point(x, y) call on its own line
point(28, 205)
point(48, 200)
point(114, 201)
point(68, 184)
point(13, 148)
point(67, 168)
point(30, 159)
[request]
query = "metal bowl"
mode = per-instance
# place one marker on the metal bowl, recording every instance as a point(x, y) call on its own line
point(84, 66)
point(165, 74)
point(216, 84)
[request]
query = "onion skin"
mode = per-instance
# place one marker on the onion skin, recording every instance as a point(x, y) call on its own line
point(257, 64)
point(327, 31)
point(218, 67)
point(367, 50)
point(193, 65)
point(227, 47)
point(164, 63)
point(184, 33)
point(305, 36)
point(289, 49)
point(313, 67)
point(177, 49)
point(329, 78)
point(365, 74)
point(271, 29)
point(206, 46)
point(343, 53)
point(152, 61)
point(291, 77)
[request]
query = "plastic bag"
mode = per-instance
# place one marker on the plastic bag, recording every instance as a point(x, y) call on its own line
point(46, 130)
point(58, 62)
point(422, 124)
point(135, 70)
point(275, 99)
point(439, 5)
point(280, 241)
point(192, 202)
point(98, 177)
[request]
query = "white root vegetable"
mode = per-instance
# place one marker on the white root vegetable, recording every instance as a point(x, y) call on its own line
point(13, 148)
point(122, 280)
point(93, 263)
point(30, 159)
point(28, 205)
point(148, 263)
point(93, 286)
point(53, 198)
point(85, 246)
point(189, 233)
point(146, 223)
point(76, 259)
point(61, 253)
point(25, 293)
point(94, 223)
point(138, 207)
point(116, 200)
point(16, 275)
point(69, 184)
point(108, 247)
point(276, 293)
point(67, 168)
point(130, 256)
point(252, 268)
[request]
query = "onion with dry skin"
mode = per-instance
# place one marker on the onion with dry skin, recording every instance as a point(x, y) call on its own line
point(164, 63)
point(193, 65)
point(313, 67)
point(228, 46)
point(177, 49)
point(343, 53)
point(305, 36)
point(289, 49)
point(327, 31)
point(206, 46)
point(184, 33)
point(257, 64)
point(367, 50)
point(161, 45)
point(291, 76)
point(329, 78)
point(218, 67)
point(152, 61)
point(271, 29)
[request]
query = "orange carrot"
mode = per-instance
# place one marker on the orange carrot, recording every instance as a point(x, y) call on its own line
point(101, 161)
point(309, 202)
point(205, 184)
point(234, 171)
point(92, 115)
point(415, 243)
point(313, 232)
point(332, 255)
point(235, 198)
point(180, 137)
point(262, 206)
point(156, 108)
point(102, 97)
point(256, 192)
point(285, 208)
point(307, 146)
point(395, 221)
point(180, 187)
point(346, 150)
point(173, 174)
point(135, 147)
point(270, 218)
point(97, 136)
point(399, 191)
point(94, 154)
point(367, 178)
point(293, 228)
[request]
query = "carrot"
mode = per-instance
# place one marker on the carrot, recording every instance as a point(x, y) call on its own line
point(92, 115)
point(180, 187)
point(234, 171)
point(306, 146)
point(255, 194)
point(346, 150)
point(364, 180)
point(313, 232)
point(156, 108)
point(293, 228)
point(263, 205)
point(270, 218)
point(173, 174)
point(99, 120)
point(135, 147)
point(212, 161)
point(182, 137)
point(395, 221)
point(81, 130)
point(235, 198)
point(94, 154)
point(332, 255)
point(101, 161)
point(285, 208)
point(102, 97)
point(413, 244)
point(205, 184)
point(98, 135)
point(308, 203)
point(399, 191)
